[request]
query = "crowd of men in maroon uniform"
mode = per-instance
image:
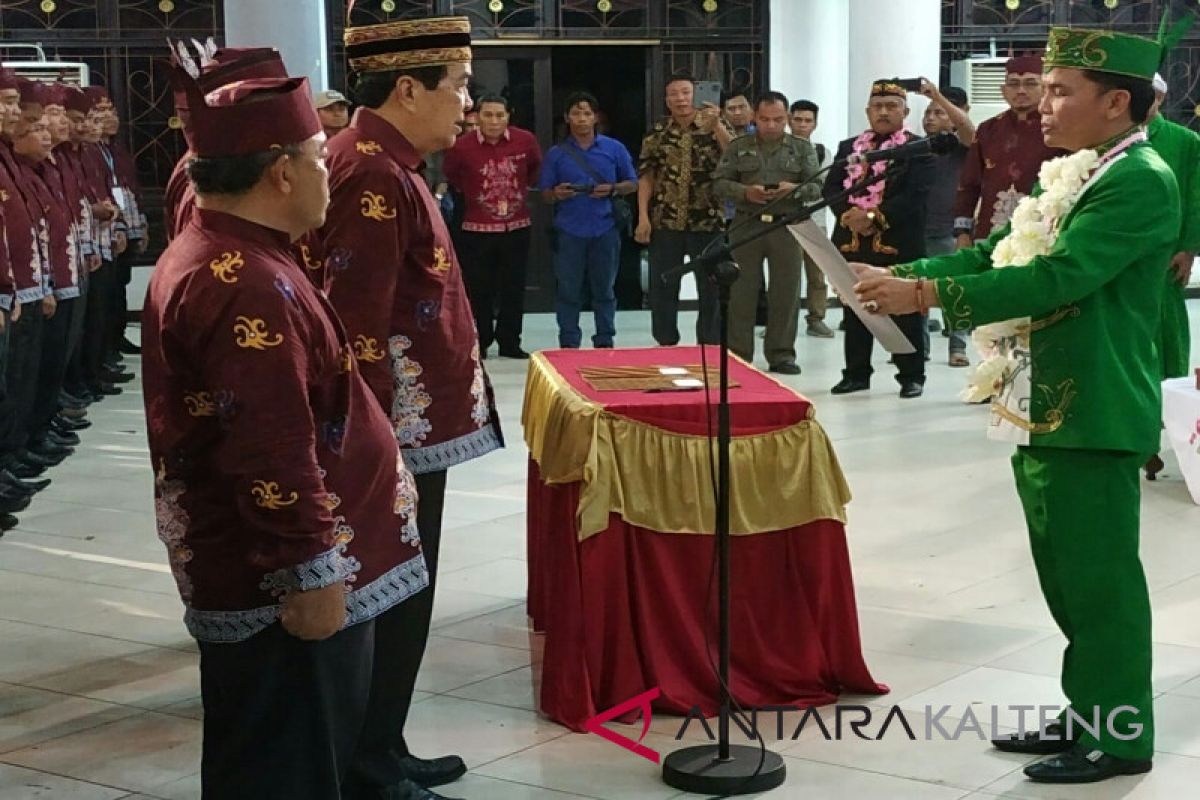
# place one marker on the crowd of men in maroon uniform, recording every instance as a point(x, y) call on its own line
point(70, 216)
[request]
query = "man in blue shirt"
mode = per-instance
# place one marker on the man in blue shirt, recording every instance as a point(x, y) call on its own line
point(585, 177)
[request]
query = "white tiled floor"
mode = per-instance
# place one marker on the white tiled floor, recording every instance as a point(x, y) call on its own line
point(99, 696)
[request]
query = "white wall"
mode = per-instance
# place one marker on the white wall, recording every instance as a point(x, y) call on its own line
point(830, 51)
point(294, 27)
point(809, 59)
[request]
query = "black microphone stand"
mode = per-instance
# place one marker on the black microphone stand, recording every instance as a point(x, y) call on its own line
point(724, 769)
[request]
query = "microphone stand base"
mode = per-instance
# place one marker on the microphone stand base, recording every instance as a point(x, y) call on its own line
point(700, 770)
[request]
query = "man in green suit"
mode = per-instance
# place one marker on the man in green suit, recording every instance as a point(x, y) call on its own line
point(1076, 370)
point(1180, 148)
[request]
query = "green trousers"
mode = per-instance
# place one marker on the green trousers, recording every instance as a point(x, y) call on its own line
point(1175, 335)
point(1082, 509)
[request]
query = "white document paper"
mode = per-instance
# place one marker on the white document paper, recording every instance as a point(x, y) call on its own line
point(842, 279)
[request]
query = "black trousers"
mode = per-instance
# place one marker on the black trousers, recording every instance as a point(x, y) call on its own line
point(400, 637)
point(4, 317)
point(73, 380)
point(96, 325)
point(667, 251)
point(494, 272)
point(859, 343)
point(118, 305)
point(281, 715)
point(21, 377)
point(56, 334)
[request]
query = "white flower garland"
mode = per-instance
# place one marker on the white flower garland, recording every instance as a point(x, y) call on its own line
point(1033, 233)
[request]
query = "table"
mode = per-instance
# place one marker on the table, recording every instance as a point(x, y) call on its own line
point(1181, 418)
point(620, 514)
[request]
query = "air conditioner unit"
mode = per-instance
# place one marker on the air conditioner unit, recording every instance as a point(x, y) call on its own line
point(39, 68)
point(983, 80)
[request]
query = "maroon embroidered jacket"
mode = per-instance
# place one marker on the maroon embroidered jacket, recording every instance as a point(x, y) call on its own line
point(61, 246)
point(23, 227)
point(275, 468)
point(1000, 168)
point(395, 280)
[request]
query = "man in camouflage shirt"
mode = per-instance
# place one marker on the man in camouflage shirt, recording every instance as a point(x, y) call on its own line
point(678, 213)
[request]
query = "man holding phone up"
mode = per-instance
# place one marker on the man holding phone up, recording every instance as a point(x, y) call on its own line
point(758, 169)
point(678, 215)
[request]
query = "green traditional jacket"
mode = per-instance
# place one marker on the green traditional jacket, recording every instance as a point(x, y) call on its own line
point(1094, 301)
point(1180, 148)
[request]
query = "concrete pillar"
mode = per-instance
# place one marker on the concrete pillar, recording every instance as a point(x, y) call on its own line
point(296, 28)
point(829, 51)
point(892, 39)
point(809, 59)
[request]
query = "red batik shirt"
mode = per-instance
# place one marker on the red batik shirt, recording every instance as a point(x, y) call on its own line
point(395, 280)
point(494, 179)
point(275, 470)
point(1000, 169)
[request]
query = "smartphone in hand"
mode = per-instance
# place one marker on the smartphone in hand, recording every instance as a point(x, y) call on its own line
point(707, 92)
point(909, 84)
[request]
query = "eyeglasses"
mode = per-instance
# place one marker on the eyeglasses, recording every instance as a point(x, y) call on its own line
point(1032, 83)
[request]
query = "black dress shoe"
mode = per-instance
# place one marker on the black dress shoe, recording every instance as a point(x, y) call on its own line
point(73, 414)
point(911, 389)
point(1034, 744)
point(848, 385)
point(1083, 764)
point(7, 523)
point(129, 348)
point(116, 377)
point(9, 478)
point(786, 368)
point(410, 790)
point(74, 400)
point(49, 449)
point(513, 352)
point(64, 439)
point(429, 772)
point(16, 488)
point(10, 504)
point(34, 460)
point(65, 425)
point(105, 389)
point(25, 470)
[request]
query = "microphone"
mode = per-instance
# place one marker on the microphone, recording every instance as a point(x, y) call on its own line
point(938, 143)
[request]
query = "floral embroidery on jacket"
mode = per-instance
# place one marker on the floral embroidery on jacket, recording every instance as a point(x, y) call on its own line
point(410, 400)
point(406, 504)
point(253, 334)
point(481, 411)
point(173, 523)
point(267, 495)
point(226, 266)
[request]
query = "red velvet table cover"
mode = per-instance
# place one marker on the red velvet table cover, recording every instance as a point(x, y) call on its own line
point(626, 610)
point(758, 403)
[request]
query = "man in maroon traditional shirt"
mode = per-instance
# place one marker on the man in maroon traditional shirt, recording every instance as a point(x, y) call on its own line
point(286, 511)
point(46, 197)
point(493, 170)
point(395, 281)
point(28, 233)
point(228, 64)
point(1003, 163)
